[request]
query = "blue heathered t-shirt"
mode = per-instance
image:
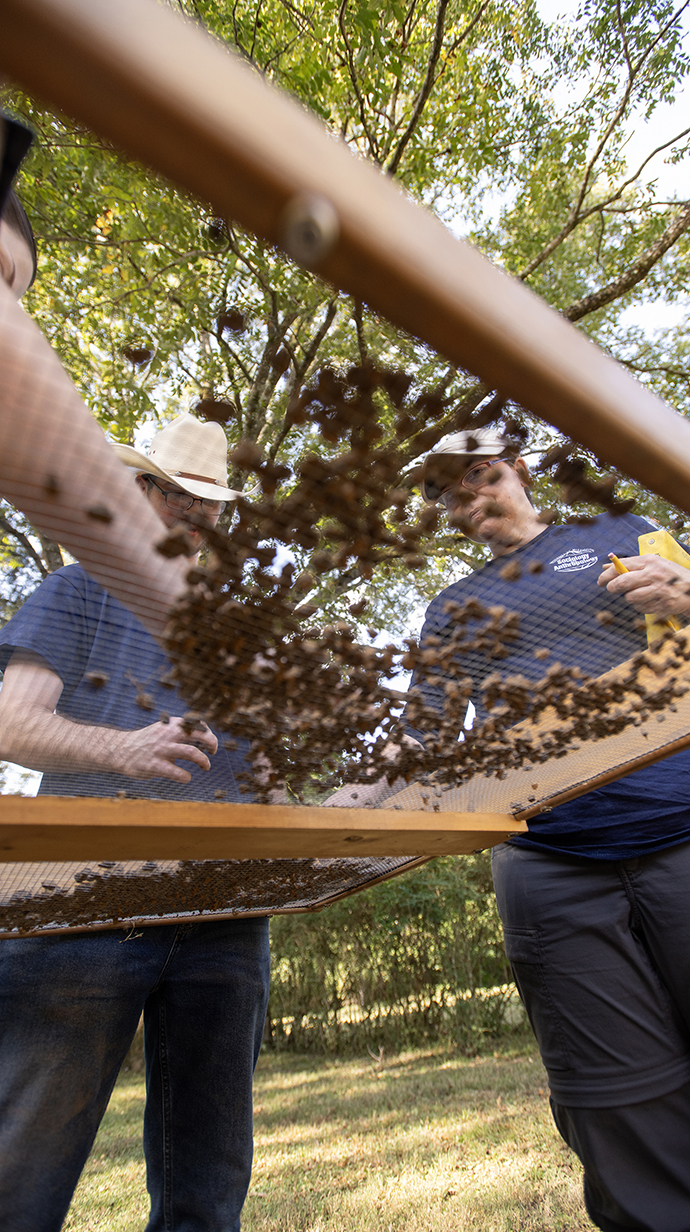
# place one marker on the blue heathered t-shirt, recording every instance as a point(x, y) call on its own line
point(558, 602)
point(79, 629)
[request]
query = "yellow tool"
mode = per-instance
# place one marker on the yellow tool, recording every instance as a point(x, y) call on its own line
point(660, 543)
point(657, 543)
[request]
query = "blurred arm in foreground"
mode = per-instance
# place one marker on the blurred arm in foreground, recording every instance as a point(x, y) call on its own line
point(56, 465)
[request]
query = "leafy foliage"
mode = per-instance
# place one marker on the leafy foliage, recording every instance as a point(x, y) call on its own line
point(410, 960)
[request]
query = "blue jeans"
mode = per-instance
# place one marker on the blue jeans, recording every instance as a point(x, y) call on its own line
point(69, 1008)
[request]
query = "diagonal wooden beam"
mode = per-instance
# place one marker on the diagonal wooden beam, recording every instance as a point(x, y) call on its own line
point(166, 93)
point(70, 828)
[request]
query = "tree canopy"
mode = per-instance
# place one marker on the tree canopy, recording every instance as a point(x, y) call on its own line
point(513, 130)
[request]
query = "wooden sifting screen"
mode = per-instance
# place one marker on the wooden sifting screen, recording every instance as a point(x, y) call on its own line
point(243, 652)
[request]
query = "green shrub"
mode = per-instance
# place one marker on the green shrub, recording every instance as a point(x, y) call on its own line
point(419, 958)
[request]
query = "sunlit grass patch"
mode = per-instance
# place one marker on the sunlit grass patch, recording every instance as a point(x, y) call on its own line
point(424, 1141)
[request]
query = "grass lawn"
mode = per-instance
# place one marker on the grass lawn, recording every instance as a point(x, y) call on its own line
point(425, 1141)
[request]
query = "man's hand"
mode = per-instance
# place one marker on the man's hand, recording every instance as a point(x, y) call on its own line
point(152, 752)
point(652, 585)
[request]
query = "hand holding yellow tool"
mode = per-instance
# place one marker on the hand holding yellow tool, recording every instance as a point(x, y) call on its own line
point(658, 544)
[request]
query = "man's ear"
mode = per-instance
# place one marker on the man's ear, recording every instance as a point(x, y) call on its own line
point(522, 472)
point(16, 260)
point(142, 484)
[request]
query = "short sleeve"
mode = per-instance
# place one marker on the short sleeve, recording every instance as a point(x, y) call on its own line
point(54, 623)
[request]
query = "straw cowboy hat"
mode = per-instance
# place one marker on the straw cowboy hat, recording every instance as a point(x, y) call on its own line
point(191, 454)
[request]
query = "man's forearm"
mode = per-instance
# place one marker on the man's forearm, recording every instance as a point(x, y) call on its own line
point(58, 468)
point(44, 741)
point(33, 735)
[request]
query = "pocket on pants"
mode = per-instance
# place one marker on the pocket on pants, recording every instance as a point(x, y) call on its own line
point(523, 950)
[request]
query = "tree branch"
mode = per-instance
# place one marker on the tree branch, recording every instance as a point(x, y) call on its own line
point(51, 552)
point(298, 17)
point(430, 76)
point(313, 348)
point(235, 357)
point(599, 208)
point(576, 214)
point(302, 369)
point(427, 86)
point(624, 41)
point(359, 325)
point(455, 418)
point(635, 273)
point(8, 529)
point(262, 377)
point(647, 369)
point(183, 257)
point(255, 28)
point(672, 21)
point(373, 143)
point(603, 205)
point(280, 52)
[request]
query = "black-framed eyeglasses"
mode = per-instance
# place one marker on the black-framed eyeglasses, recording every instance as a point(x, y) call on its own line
point(473, 478)
point(182, 502)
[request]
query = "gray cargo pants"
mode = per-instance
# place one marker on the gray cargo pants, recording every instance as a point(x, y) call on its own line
point(600, 952)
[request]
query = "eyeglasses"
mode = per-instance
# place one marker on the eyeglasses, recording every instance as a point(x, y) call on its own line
point(181, 502)
point(473, 479)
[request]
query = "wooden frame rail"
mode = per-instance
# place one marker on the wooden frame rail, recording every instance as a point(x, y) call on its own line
point(166, 93)
point(49, 828)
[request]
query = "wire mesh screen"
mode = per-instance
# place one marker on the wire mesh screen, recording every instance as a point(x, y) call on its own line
point(76, 896)
point(529, 682)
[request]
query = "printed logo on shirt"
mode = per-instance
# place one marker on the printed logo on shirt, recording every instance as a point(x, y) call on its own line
point(574, 560)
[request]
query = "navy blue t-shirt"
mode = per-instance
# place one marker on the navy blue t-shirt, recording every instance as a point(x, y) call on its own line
point(83, 632)
point(551, 583)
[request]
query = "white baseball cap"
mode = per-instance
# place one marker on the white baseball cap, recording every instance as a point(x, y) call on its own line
point(452, 457)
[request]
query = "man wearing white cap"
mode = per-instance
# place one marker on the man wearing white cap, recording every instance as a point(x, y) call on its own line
point(85, 701)
point(593, 898)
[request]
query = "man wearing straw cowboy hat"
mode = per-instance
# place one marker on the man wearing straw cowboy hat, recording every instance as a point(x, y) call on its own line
point(183, 444)
point(84, 701)
point(594, 898)
point(55, 462)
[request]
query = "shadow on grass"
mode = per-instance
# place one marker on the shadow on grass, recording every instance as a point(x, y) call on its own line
point(427, 1084)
